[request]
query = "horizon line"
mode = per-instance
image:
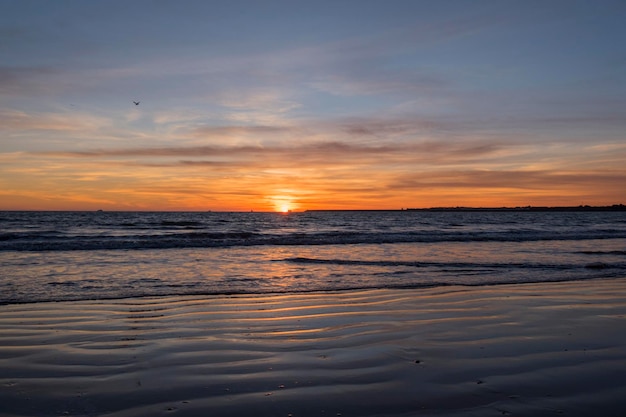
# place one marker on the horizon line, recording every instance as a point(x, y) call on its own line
point(613, 207)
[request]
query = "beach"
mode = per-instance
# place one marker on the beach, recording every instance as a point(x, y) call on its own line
point(541, 349)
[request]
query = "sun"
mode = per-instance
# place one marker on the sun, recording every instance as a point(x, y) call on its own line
point(283, 203)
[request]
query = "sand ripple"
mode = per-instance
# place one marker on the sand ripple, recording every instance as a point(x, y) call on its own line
point(544, 349)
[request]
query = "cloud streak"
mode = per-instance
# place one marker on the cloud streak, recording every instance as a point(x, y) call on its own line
point(324, 152)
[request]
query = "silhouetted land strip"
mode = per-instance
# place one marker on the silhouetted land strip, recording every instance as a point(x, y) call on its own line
point(614, 207)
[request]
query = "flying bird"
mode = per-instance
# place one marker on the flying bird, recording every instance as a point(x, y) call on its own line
point(136, 102)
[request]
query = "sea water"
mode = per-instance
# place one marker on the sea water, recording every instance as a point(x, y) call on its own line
point(52, 256)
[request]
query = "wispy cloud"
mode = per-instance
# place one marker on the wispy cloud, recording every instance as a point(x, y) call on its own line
point(501, 179)
point(18, 81)
point(427, 152)
point(12, 120)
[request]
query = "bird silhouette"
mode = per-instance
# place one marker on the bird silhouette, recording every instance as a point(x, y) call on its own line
point(136, 102)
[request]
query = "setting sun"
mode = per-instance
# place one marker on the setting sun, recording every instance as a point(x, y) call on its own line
point(282, 203)
point(284, 207)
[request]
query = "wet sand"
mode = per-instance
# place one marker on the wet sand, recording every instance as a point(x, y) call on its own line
point(554, 349)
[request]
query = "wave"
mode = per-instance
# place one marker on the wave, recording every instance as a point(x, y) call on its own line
point(83, 292)
point(610, 252)
point(455, 265)
point(55, 240)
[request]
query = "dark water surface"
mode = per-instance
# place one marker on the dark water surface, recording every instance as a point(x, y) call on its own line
point(50, 256)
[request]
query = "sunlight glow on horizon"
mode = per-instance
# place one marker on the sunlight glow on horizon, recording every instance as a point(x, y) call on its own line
point(420, 104)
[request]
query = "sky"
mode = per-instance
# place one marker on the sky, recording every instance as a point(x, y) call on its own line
point(296, 105)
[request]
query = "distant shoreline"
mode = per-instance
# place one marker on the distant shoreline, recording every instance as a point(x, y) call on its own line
point(614, 207)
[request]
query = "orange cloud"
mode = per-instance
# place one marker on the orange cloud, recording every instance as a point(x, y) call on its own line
point(357, 170)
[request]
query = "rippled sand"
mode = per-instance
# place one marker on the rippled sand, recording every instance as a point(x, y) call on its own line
point(521, 350)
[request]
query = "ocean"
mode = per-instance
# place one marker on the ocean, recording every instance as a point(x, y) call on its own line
point(59, 256)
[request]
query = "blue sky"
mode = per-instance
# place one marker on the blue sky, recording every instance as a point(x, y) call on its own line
point(342, 104)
